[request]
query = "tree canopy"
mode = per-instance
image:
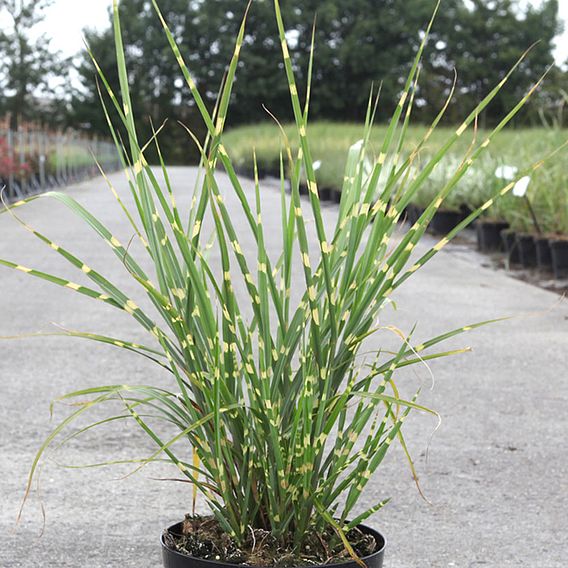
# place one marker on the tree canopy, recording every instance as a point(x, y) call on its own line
point(357, 44)
point(482, 40)
point(28, 65)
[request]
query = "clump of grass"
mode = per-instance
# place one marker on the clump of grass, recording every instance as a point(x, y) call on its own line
point(331, 142)
point(463, 192)
point(271, 416)
point(549, 197)
point(515, 147)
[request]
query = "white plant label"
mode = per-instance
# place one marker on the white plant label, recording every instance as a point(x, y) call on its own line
point(520, 188)
point(506, 172)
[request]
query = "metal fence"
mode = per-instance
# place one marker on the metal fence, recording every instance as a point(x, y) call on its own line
point(34, 159)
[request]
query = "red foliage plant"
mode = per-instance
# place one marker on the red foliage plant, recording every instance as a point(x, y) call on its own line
point(9, 165)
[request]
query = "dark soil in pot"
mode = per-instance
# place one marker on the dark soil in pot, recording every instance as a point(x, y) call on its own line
point(489, 235)
point(511, 247)
point(559, 250)
point(543, 253)
point(199, 542)
point(444, 221)
point(527, 250)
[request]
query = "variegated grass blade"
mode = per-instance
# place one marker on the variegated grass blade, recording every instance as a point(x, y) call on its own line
point(271, 413)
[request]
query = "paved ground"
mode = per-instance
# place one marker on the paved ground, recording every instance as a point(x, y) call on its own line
point(497, 468)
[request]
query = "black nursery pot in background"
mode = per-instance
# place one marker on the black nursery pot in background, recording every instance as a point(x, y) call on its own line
point(325, 194)
point(489, 235)
point(543, 253)
point(418, 212)
point(527, 250)
point(511, 247)
point(174, 559)
point(444, 221)
point(413, 213)
point(465, 212)
point(559, 250)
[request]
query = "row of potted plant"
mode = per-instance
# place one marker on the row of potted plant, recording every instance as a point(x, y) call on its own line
point(534, 225)
point(537, 232)
point(530, 224)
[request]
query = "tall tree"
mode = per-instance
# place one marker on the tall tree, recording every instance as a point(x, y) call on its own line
point(482, 40)
point(549, 106)
point(208, 39)
point(206, 33)
point(360, 43)
point(28, 65)
point(357, 43)
point(157, 88)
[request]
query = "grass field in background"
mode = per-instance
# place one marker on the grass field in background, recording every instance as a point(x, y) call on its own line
point(519, 148)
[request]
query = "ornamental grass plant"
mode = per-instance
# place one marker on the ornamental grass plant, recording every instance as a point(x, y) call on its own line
point(548, 195)
point(280, 422)
point(330, 142)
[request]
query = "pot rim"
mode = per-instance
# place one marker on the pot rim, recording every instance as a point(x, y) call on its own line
point(364, 528)
point(558, 241)
point(482, 222)
point(447, 211)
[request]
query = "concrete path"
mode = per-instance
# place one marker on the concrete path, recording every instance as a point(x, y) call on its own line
point(497, 468)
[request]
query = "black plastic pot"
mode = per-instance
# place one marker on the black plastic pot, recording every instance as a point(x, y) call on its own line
point(244, 171)
point(559, 250)
point(303, 189)
point(173, 559)
point(336, 195)
point(511, 247)
point(411, 213)
point(444, 221)
point(543, 253)
point(466, 211)
point(414, 213)
point(419, 212)
point(489, 235)
point(325, 194)
point(527, 250)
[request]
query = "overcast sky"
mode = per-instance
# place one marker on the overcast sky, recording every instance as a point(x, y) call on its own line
point(67, 18)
